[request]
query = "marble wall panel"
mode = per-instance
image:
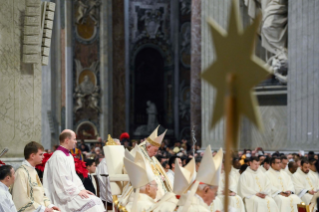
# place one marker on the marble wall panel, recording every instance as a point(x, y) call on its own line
point(274, 115)
point(20, 84)
point(218, 10)
point(303, 95)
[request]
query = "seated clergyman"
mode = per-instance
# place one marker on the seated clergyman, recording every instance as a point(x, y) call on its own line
point(143, 181)
point(255, 189)
point(282, 188)
point(27, 190)
point(306, 184)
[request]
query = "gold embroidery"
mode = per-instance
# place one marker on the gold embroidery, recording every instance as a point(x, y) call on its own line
point(155, 171)
point(237, 202)
point(282, 185)
point(291, 204)
point(257, 182)
point(310, 183)
point(268, 206)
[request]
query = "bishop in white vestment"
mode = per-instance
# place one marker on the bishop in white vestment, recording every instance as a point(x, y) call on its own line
point(282, 188)
point(61, 183)
point(255, 189)
point(306, 185)
point(197, 204)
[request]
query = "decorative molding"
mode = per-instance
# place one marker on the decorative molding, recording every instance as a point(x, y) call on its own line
point(87, 20)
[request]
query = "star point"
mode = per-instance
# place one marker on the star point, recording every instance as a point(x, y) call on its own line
point(235, 55)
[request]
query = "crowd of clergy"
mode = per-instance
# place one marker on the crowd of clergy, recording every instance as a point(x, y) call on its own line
point(258, 182)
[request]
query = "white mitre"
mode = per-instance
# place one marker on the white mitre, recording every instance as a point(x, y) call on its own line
point(154, 139)
point(210, 168)
point(184, 177)
point(208, 173)
point(139, 171)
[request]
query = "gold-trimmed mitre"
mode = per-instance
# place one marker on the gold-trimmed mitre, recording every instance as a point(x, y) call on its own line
point(110, 141)
point(154, 139)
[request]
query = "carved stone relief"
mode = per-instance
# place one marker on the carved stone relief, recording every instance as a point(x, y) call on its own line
point(185, 7)
point(87, 92)
point(149, 20)
point(185, 44)
point(87, 19)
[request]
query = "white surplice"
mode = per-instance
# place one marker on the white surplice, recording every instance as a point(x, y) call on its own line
point(252, 182)
point(197, 204)
point(104, 182)
point(303, 183)
point(6, 203)
point(217, 205)
point(236, 201)
point(288, 173)
point(167, 203)
point(171, 176)
point(62, 185)
point(144, 203)
point(281, 182)
point(261, 168)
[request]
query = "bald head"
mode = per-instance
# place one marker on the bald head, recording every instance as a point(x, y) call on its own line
point(68, 139)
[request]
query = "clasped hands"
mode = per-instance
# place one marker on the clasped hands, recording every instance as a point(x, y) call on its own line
point(231, 193)
point(84, 194)
point(285, 193)
point(263, 196)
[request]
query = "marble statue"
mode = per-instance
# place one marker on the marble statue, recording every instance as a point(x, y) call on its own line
point(151, 116)
point(86, 94)
point(273, 31)
point(86, 87)
point(152, 21)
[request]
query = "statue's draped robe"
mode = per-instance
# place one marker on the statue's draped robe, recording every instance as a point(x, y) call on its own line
point(62, 185)
point(274, 28)
point(234, 201)
point(281, 182)
point(253, 182)
point(27, 190)
point(303, 183)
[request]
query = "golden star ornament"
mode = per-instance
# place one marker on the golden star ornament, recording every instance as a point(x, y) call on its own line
point(235, 56)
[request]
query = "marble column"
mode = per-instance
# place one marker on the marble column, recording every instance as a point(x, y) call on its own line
point(218, 10)
point(303, 81)
point(195, 83)
point(119, 103)
point(20, 84)
point(106, 60)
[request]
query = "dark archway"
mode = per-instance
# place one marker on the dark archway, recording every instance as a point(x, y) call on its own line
point(148, 84)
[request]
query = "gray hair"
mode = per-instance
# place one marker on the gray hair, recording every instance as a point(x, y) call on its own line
point(203, 186)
